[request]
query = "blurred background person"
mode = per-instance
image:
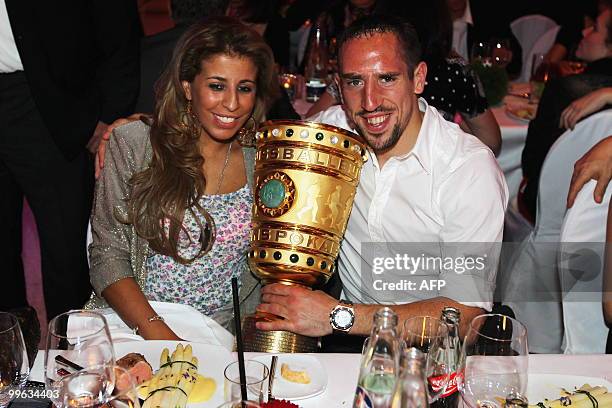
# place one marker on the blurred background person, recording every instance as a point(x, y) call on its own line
point(595, 49)
point(67, 69)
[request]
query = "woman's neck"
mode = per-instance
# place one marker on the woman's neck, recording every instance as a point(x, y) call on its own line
point(213, 148)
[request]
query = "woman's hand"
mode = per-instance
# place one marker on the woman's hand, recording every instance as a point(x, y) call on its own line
point(584, 106)
point(100, 153)
point(596, 164)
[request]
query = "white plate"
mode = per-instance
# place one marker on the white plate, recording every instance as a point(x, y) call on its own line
point(283, 389)
point(212, 360)
point(542, 386)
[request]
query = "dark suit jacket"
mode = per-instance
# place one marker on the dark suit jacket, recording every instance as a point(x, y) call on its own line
point(81, 61)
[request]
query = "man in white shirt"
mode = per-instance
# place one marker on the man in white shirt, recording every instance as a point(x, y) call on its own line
point(426, 182)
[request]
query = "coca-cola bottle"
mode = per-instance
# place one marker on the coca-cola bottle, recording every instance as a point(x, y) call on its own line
point(410, 389)
point(380, 363)
point(450, 397)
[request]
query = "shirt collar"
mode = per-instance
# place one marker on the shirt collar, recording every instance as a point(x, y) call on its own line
point(422, 148)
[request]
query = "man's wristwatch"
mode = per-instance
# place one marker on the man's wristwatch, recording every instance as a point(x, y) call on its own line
point(342, 317)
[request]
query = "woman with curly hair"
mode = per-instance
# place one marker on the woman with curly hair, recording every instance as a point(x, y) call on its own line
point(172, 210)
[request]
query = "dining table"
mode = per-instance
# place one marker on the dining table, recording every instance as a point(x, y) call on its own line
point(343, 370)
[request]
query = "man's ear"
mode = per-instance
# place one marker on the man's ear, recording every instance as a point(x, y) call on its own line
point(187, 89)
point(420, 73)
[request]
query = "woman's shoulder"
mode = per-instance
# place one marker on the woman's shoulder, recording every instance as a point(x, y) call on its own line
point(132, 142)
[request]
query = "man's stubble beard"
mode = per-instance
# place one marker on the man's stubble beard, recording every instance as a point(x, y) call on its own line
point(396, 133)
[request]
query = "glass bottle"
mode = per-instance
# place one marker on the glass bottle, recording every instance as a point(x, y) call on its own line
point(380, 363)
point(410, 390)
point(317, 61)
point(450, 397)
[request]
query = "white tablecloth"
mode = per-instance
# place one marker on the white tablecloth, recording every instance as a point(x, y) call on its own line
point(343, 370)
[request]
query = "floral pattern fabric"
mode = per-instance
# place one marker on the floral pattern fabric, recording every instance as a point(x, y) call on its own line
point(205, 283)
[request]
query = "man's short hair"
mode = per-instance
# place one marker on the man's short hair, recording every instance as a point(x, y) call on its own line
point(380, 24)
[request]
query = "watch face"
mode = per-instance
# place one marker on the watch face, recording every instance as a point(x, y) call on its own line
point(343, 318)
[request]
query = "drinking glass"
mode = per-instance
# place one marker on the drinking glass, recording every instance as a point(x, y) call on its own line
point(430, 335)
point(256, 378)
point(97, 386)
point(14, 368)
point(77, 340)
point(540, 74)
point(501, 52)
point(481, 52)
point(494, 362)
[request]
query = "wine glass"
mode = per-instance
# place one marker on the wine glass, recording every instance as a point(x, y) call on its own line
point(14, 367)
point(430, 335)
point(501, 52)
point(108, 386)
point(540, 74)
point(494, 362)
point(77, 341)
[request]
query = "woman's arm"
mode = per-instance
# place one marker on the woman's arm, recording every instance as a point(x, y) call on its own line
point(111, 270)
point(127, 299)
point(485, 128)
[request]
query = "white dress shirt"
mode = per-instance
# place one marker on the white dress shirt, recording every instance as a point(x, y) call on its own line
point(460, 27)
point(9, 56)
point(448, 195)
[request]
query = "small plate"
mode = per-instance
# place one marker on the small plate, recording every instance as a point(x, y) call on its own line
point(284, 389)
point(524, 113)
point(548, 386)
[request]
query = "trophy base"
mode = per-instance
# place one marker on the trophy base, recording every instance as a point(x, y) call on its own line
point(276, 341)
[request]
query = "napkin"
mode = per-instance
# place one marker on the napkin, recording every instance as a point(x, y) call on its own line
point(188, 323)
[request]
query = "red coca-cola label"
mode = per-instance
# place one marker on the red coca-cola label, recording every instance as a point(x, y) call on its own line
point(437, 383)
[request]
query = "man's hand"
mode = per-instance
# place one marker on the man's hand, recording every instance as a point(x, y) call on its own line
point(100, 149)
point(596, 164)
point(304, 311)
point(584, 106)
point(94, 141)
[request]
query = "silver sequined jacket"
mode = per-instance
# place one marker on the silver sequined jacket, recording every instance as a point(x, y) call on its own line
point(117, 252)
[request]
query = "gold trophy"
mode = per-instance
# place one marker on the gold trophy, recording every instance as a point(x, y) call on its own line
point(306, 176)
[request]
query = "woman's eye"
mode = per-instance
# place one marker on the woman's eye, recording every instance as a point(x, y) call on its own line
point(216, 86)
point(245, 89)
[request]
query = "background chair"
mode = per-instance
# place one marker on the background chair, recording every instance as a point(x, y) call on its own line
point(580, 264)
point(535, 33)
point(528, 281)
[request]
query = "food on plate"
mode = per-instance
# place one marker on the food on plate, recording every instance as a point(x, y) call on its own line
point(295, 374)
point(583, 397)
point(174, 381)
point(525, 113)
point(137, 366)
point(177, 382)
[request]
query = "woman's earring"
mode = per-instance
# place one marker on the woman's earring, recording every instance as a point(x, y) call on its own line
point(186, 116)
point(246, 134)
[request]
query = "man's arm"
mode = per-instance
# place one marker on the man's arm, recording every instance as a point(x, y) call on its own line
point(307, 312)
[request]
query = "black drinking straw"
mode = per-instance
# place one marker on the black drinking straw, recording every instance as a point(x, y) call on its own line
point(243, 387)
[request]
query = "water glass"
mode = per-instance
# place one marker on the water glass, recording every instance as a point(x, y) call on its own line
point(14, 368)
point(77, 340)
point(494, 362)
point(257, 381)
